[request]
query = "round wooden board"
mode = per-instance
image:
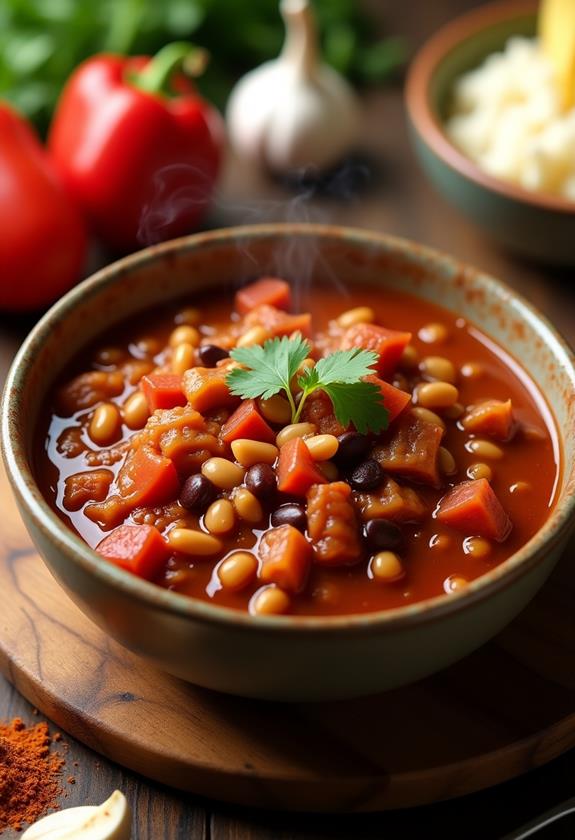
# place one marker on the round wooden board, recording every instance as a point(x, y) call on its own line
point(505, 709)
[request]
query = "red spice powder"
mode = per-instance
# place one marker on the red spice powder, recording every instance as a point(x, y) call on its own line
point(29, 773)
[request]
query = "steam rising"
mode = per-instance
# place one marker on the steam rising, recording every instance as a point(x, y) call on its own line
point(175, 209)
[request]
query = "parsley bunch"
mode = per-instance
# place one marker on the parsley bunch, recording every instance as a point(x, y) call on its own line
point(269, 369)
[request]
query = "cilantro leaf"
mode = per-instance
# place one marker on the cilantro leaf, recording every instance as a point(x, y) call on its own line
point(358, 403)
point(344, 366)
point(271, 367)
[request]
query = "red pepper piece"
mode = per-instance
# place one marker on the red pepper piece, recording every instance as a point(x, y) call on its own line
point(394, 399)
point(148, 478)
point(43, 241)
point(473, 508)
point(162, 390)
point(269, 290)
point(388, 344)
point(139, 549)
point(247, 422)
point(296, 469)
point(138, 149)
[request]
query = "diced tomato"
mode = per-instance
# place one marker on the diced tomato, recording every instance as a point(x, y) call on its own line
point(147, 478)
point(268, 290)
point(493, 418)
point(388, 344)
point(139, 549)
point(278, 323)
point(394, 399)
point(410, 449)
point(286, 558)
point(473, 508)
point(296, 469)
point(206, 389)
point(162, 390)
point(392, 501)
point(318, 409)
point(332, 524)
point(247, 422)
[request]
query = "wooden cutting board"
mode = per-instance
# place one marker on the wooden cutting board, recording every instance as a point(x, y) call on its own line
point(505, 709)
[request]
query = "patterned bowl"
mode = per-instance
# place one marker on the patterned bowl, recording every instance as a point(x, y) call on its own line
point(285, 658)
point(535, 224)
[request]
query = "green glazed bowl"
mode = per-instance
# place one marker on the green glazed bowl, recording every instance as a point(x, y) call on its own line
point(283, 657)
point(535, 224)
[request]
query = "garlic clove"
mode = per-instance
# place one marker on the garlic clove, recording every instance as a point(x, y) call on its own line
point(109, 821)
point(295, 111)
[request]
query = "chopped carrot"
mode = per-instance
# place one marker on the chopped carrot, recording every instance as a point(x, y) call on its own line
point(493, 418)
point(473, 508)
point(296, 469)
point(286, 558)
point(162, 390)
point(247, 422)
point(147, 478)
point(269, 290)
point(388, 344)
point(138, 548)
point(206, 388)
point(278, 323)
point(394, 399)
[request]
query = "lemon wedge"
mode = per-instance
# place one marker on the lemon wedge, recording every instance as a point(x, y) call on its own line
point(556, 29)
point(109, 821)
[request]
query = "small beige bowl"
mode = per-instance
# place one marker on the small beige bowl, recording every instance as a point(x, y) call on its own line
point(285, 658)
point(535, 224)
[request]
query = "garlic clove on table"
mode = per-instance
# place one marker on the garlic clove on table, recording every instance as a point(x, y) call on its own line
point(109, 821)
point(295, 111)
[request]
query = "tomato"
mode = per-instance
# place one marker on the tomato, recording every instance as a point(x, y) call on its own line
point(43, 240)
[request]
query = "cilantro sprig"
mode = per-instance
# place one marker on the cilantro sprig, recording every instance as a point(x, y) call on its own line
point(268, 369)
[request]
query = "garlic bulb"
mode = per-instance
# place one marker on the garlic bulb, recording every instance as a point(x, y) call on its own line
point(109, 821)
point(294, 111)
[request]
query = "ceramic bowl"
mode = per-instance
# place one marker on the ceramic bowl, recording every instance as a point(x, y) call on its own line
point(535, 224)
point(285, 658)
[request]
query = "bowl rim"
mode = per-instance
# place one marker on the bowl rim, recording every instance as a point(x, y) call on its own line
point(13, 445)
point(425, 119)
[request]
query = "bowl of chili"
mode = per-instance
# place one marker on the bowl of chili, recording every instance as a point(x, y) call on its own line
point(229, 463)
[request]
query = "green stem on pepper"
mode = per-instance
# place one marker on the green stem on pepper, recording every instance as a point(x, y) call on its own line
point(178, 56)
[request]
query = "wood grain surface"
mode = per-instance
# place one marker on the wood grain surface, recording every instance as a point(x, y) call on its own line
point(388, 751)
point(395, 198)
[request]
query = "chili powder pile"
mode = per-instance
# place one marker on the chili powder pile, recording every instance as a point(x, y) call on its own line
point(29, 773)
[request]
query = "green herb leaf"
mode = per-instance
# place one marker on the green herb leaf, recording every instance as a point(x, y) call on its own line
point(345, 365)
point(358, 403)
point(272, 366)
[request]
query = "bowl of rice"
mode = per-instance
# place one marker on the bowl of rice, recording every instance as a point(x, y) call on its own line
point(490, 131)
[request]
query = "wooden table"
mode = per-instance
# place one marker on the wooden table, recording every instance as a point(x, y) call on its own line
point(395, 198)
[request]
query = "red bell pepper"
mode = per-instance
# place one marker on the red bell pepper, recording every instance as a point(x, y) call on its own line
point(137, 147)
point(43, 241)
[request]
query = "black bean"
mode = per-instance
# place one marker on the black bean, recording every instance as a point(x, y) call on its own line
point(261, 481)
point(367, 476)
point(353, 447)
point(197, 493)
point(382, 535)
point(210, 354)
point(290, 514)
